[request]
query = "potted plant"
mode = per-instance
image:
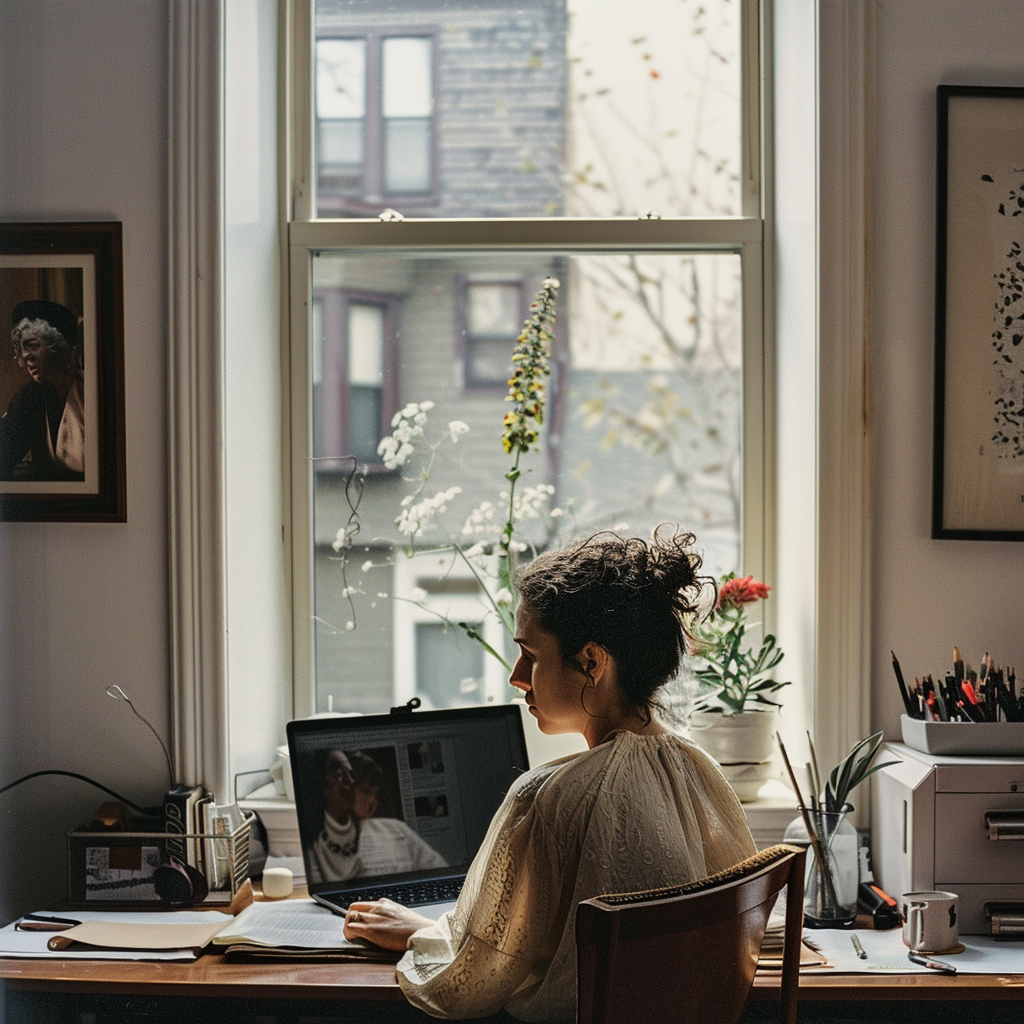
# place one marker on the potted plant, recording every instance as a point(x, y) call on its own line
point(732, 715)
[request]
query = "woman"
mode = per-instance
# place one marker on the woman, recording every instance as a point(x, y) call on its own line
point(601, 626)
point(42, 434)
point(351, 841)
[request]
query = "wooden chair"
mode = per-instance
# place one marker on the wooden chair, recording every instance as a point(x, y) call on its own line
point(688, 952)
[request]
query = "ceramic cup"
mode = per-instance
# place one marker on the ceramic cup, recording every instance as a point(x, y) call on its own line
point(929, 921)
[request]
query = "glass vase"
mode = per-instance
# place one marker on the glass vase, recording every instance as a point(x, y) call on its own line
point(833, 868)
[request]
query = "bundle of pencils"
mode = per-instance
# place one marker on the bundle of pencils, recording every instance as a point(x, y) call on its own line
point(963, 695)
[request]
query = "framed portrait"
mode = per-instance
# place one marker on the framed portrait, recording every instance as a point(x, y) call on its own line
point(62, 436)
point(978, 478)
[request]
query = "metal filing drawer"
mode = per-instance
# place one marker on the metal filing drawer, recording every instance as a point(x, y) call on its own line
point(932, 818)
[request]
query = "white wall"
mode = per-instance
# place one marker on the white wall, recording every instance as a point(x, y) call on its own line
point(83, 119)
point(928, 594)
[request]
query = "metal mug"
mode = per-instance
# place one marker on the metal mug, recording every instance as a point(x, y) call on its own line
point(929, 921)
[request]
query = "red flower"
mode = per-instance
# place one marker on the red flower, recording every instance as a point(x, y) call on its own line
point(737, 592)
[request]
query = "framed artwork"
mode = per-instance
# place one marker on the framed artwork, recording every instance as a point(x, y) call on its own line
point(978, 478)
point(62, 436)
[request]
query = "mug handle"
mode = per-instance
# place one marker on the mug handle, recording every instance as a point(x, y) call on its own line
point(915, 919)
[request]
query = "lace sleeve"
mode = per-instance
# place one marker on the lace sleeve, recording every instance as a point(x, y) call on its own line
point(505, 928)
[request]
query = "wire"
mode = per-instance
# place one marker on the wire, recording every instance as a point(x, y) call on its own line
point(83, 778)
point(117, 693)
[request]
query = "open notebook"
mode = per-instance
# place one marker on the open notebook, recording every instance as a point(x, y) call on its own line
point(397, 805)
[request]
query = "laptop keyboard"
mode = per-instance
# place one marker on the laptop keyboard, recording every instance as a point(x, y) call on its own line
point(433, 890)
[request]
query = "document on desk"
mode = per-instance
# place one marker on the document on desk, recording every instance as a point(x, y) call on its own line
point(885, 953)
point(292, 927)
point(33, 944)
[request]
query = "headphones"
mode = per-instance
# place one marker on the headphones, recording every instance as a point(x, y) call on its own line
point(180, 884)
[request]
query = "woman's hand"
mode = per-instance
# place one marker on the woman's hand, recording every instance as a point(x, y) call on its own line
point(384, 923)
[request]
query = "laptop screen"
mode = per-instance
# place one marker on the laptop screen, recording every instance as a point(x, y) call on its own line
point(386, 798)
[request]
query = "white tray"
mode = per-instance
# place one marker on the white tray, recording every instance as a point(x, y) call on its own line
point(980, 739)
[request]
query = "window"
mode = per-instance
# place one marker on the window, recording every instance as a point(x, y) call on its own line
point(353, 395)
point(493, 313)
point(374, 114)
point(483, 134)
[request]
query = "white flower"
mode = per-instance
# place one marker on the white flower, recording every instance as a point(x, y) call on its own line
point(556, 513)
point(343, 538)
point(456, 429)
point(418, 594)
point(349, 626)
point(503, 598)
point(367, 566)
point(426, 406)
point(414, 518)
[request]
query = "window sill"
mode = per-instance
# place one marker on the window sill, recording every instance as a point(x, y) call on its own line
point(768, 815)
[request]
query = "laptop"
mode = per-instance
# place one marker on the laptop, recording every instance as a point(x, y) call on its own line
point(397, 805)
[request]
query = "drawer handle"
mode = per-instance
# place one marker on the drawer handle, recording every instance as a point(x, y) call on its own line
point(1005, 824)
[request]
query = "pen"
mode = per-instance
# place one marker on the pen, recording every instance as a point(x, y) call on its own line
point(857, 946)
point(907, 703)
point(44, 923)
point(935, 965)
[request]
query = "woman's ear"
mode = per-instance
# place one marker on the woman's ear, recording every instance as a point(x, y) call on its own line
point(594, 661)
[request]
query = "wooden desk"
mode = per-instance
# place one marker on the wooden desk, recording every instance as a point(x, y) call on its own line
point(282, 991)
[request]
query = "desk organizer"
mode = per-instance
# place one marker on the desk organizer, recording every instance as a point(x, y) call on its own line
point(964, 739)
point(116, 869)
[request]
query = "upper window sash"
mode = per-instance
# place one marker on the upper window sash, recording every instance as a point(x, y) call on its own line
point(301, 158)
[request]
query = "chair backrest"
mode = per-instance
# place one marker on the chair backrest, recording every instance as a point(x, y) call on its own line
point(688, 952)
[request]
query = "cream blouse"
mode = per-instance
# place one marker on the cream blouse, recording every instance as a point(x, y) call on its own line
point(635, 812)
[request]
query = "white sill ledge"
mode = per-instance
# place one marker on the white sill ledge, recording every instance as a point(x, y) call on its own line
point(767, 816)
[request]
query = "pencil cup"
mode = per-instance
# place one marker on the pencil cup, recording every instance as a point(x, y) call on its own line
point(929, 921)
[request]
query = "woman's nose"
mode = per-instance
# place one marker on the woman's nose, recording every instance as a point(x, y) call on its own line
point(520, 678)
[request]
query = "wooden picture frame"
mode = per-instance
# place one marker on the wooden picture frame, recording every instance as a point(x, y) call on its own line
point(62, 435)
point(978, 454)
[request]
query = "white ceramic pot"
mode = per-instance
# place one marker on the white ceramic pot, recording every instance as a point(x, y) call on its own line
point(742, 744)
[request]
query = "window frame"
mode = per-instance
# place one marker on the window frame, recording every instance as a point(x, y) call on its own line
point(744, 235)
point(825, 309)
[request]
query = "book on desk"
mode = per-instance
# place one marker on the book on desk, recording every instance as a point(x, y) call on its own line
point(296, 928)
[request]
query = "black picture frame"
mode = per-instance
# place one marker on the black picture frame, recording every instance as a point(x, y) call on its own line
point(75, 267)
point(978, 445)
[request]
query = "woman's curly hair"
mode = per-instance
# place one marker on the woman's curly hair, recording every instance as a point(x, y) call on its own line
point(633, 598)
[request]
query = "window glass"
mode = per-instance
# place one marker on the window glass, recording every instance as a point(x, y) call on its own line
point(537, 108)
point(340, 113)
point(407, 89)
point(641, 426)
point(340, 78)
point(448, 664)
point(365, 344)
point(493, 319)
point(406, 155)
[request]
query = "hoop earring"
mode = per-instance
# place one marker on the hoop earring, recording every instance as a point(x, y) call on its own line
point(583, 704)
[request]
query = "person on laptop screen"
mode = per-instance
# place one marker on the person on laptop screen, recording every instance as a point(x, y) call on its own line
point(601, 626)
point(351, 841)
